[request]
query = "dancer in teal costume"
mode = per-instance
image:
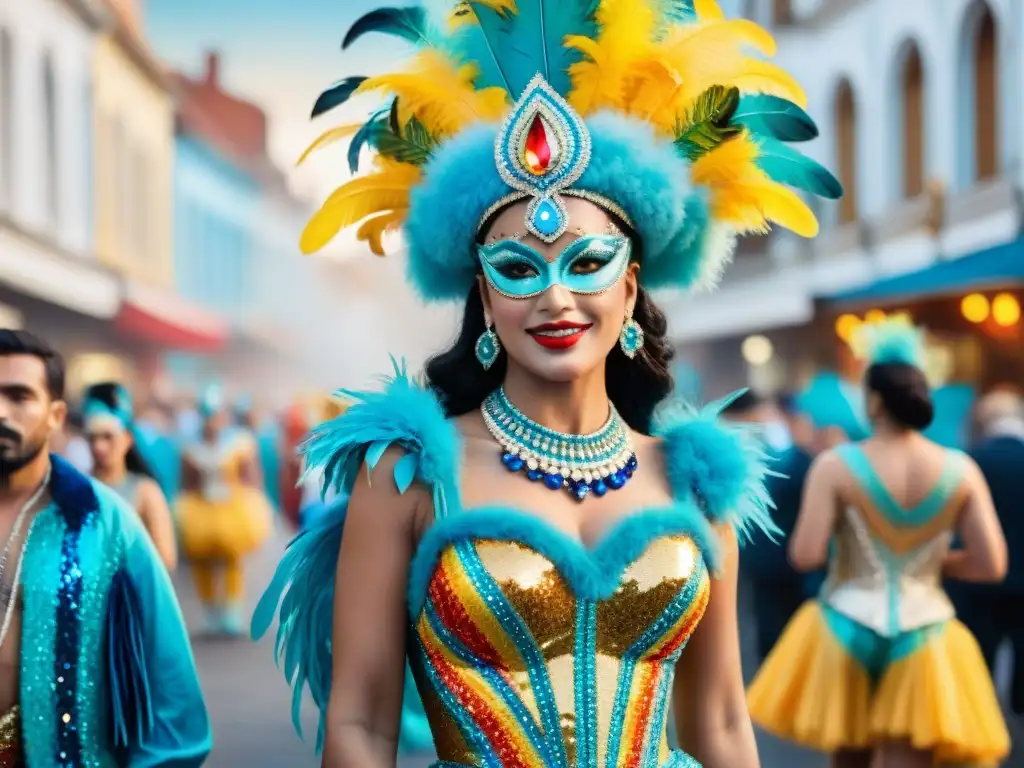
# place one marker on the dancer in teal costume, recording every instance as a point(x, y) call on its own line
point(548, 191)
point(106, 675)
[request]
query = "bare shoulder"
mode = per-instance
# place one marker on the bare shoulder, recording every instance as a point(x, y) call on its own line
point(148, 489)
point(828, 465)
point(377, 498)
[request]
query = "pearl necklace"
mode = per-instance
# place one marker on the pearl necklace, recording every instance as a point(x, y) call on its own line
point(582, 464)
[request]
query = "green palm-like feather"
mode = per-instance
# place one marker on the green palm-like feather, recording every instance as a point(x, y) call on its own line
point(707, 125)
point(414, 145)
point(788, 166)
point(410, 24)
point(766, 115)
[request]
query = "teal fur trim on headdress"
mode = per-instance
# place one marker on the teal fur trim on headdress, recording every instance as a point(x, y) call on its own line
point(644, 175)
point(93, 408)
point(891, 341)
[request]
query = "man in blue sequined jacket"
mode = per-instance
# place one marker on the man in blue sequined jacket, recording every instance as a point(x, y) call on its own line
point(99, 671)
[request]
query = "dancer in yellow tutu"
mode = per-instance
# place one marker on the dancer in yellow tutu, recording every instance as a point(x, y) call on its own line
point(222, 512)
point(878, 665)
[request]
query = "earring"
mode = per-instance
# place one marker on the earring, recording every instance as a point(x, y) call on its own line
point(631, 339)
point(488, 347)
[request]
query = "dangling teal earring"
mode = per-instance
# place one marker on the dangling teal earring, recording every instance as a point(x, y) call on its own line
point(631, 339)
point(487, 346)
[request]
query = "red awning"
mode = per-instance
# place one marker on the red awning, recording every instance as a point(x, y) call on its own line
point(167, 320)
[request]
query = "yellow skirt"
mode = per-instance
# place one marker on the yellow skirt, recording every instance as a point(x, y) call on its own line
point(938, 697)
point(223, 530)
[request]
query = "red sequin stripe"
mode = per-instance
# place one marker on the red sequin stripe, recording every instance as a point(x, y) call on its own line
point(648, 690)
point(452, 613)
point(493, 727)
point(691, 618)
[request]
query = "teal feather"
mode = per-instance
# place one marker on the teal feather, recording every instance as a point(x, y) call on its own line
point(364, 136)
point(723, 466)
point(410, 24)
point(336, 95)
point(776, 117)
point(677, 12)
point(132, 717)
point(532, 40)
point(788, 166)
point(301, 592)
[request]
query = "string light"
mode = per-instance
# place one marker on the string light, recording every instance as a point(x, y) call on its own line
point(1005, 310)
point(757, 350)
point(975, 308)
point(846, 327)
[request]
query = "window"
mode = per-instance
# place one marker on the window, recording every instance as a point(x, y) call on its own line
point(121, 190)
point(52, 189)
point(846, 150)
point(140, 215)
point(986, 80)
point(87, 148)
point(912, 121)
point(978, 103)
point(6, 115)
point(782, 12)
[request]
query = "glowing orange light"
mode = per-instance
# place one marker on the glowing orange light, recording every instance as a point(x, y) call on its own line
point(1005, 310)
point(846, 327)
point(975, 308)
point(874, 316)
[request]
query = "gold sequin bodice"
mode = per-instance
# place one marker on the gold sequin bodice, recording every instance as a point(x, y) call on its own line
point(10, 739)
point(538, 652)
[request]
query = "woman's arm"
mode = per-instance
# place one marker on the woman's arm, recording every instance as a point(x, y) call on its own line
point(708, 697)
point(368, 648)
point(983, 556)
point(808, 545)
point(156, 516)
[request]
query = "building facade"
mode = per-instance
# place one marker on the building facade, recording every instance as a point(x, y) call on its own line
point(919, 106)
point(50, 279)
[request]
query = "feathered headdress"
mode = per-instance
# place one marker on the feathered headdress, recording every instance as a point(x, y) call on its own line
point(893, 340)
point(654, 109)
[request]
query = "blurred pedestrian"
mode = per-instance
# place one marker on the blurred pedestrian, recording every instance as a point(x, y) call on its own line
point(878, 665)
point(778, 588)
point(76, 448)
point(95, 662)
point(120, 464)
point(222, 513)
point(995, 613)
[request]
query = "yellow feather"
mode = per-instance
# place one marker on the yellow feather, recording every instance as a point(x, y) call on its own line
point(372, 230)
point(441, 96)
point(765, 77)
point(733, 33)
point(707, 10)
point(626, 30)
point(744, 196)
point(784, 206)
point(386, 190)
point(328, 137)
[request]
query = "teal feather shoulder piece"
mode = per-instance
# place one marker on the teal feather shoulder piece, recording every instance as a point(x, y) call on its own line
point(301, 593)
point(722, 466)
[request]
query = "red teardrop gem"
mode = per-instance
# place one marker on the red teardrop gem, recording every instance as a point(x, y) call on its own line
point(537, 151)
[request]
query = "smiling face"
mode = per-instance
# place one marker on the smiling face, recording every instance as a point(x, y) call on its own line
point(558, 308)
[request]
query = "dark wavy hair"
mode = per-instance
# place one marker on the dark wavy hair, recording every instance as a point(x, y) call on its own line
point(905, 394)
point(635, 387)
point(112, 394)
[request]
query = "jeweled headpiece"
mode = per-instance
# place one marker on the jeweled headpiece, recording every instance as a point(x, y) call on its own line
point(652, 110)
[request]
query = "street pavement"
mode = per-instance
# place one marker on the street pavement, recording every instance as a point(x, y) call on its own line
point(250, 704)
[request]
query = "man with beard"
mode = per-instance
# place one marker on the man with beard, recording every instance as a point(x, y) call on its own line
point(86, 676)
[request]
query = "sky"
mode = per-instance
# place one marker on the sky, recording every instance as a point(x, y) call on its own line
point(279, 54)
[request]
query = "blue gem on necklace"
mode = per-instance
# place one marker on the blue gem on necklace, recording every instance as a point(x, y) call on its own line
point(580, 464)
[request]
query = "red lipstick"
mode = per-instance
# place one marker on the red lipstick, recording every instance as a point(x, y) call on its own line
point(559, 336)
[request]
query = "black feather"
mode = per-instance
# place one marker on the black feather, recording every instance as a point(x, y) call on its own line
point(407, 23)
point(336, 95)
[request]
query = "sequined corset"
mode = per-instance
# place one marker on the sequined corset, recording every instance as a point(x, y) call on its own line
point(885, 571)
point(10, 739)
point(548, 654)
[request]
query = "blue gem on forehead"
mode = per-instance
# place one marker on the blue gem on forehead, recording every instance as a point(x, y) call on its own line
point(547, 219)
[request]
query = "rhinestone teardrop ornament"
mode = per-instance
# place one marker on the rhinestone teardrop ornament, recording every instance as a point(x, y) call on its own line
point(540, 150)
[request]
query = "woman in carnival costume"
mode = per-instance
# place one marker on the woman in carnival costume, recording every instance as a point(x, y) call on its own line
point(118, 462)
point(222, 512)
point(878, 664)
point(517, 525)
